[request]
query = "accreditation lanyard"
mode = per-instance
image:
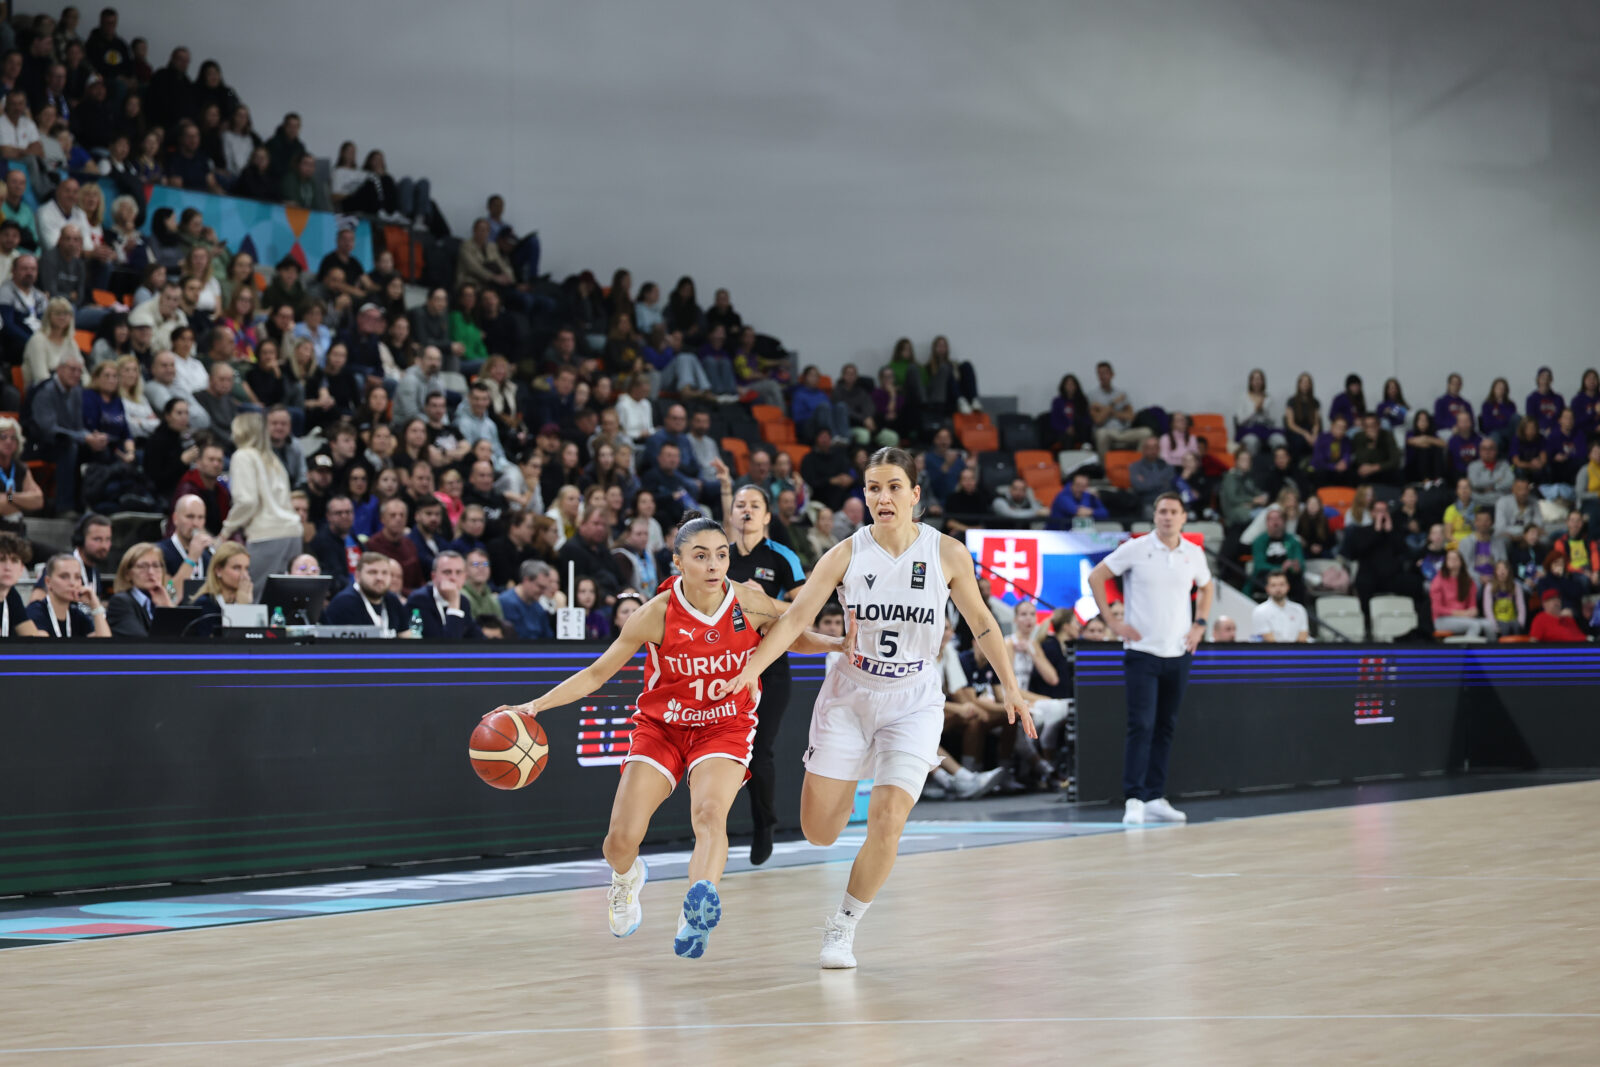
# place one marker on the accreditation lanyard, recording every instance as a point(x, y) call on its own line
point(55, 623)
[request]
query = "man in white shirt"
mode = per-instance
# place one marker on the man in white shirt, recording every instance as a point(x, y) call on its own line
point(1160, 634)
point(62, 210)
point(163, 315)
point(1279, 620)
point(634, 411)
point(10, 243)
point(20, 141)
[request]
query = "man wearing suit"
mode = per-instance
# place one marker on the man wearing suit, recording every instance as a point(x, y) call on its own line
point(188, 518)
point(444, 613)
point(369, 602)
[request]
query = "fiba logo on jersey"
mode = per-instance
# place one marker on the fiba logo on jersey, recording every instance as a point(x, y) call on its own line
point(919, 576)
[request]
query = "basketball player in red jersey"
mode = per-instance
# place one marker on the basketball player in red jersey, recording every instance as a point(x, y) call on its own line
point(699, 632)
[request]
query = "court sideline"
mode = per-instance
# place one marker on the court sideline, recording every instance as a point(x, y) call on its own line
point(1456, 929)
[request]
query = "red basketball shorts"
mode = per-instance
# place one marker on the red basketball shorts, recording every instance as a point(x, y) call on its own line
point(676, 750)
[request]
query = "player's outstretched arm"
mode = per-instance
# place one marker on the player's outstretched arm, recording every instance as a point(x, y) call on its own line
point(765, 613)
point(643, 625)
point(825, 578)
point(969, 601)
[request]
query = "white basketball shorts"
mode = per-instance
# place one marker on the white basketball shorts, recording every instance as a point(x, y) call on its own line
point(857, 716)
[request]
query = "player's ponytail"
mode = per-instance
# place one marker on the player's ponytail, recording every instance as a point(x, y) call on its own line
point(693, 524)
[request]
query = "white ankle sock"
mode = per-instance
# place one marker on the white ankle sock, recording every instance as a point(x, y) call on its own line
point(851, 910)
point(963, 775)
point(944, 777)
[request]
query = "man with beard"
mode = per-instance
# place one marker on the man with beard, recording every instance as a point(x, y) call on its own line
point(368, 602)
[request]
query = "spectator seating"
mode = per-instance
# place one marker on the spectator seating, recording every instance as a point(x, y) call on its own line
point(995, 470)
point(1038, 468)
point(795, 452)
point(1339, 618)
point(739, 455)
point(1117, 464)
point(1338, 497)
point(1210, 532)
point(1018, 432)
point(1214, 428)
point(981, 437)
point(1074, 459)
point(1392, 616)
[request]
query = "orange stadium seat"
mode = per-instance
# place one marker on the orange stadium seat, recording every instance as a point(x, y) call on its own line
point(825, 383)
point(736, 447)
point(85, 339)
point(796, 453)
point(102, 298)
point(1029, 458)
point(980, 439)
point(1336, 496)
point(1214, 428)
point(779, 431)
point(1044, 481)
point(765, 413)
point(1117, 464)
point(963, 423)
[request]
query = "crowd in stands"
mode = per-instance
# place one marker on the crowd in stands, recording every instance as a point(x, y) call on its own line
point(445, 453)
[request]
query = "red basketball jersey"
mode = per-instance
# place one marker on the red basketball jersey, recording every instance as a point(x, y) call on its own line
point(691, 671)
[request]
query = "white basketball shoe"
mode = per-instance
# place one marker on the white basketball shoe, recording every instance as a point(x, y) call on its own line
point(626, 913)
point(1133, 812)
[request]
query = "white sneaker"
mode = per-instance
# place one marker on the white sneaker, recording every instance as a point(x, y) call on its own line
point(972, 784)
point(977, 404)
point(963, 405)
point(1133, 812)
point(1160, 811)
point(626, 912)
point(837, 939)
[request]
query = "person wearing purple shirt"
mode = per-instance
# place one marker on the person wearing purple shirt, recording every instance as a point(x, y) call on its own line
point(1463, 443)
point(1352, 403)
point(102, 406)
point(1498, 417)
point(1331, 457)
point(718, 363)
point(1451, 404)
point(1568, 451)
point(1586, 403)
point(1544, 403)
point(1392, 409)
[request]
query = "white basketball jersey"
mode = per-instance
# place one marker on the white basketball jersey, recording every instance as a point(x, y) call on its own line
point(898, 602)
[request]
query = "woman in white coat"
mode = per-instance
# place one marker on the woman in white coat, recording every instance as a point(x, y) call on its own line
point(261, 506)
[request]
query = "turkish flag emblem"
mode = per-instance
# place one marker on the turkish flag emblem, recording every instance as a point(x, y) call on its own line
point(1012, 565)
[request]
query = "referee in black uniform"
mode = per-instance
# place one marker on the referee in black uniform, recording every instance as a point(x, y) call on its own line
point(758, 560)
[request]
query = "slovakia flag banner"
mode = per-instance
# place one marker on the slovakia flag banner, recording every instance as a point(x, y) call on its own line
point(1051, 566)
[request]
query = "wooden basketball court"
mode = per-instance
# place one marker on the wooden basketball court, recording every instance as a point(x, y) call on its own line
point(1454, 930)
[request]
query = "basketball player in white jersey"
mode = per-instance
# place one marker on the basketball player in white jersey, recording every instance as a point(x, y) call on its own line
point(881, 709)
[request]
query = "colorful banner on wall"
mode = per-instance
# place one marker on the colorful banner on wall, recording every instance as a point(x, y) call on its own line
point(267, 231)
point(1048, 566)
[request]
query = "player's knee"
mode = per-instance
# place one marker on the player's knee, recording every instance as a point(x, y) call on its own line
point(820, 835)
point(708, 813)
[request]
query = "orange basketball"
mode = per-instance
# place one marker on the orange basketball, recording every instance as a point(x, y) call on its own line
point(508, 749)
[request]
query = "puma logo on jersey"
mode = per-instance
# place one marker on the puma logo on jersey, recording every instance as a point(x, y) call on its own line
point(687, 633)
point(870, 579)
